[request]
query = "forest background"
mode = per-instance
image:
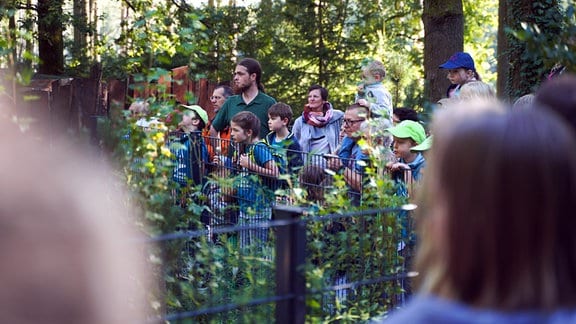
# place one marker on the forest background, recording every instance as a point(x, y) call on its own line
point(298, 42)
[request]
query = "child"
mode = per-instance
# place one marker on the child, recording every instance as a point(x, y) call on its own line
point(407, 134)
point(461, 70)
point(284, 145)
point(189, 148)
point(251, 158)
point(375, 97)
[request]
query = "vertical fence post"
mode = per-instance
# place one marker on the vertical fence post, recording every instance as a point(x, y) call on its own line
point(290, 257)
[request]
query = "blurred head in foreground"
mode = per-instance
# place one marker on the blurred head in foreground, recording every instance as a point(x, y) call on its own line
point(498, 211)
point(67, 253)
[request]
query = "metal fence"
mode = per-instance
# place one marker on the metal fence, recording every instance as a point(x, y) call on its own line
point(282, 262)
point(310, 266)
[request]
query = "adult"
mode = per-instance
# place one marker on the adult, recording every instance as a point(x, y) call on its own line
point(501, 250)
point(247, 78)
point(318, 128)
point(351, 160)
point(222, 138)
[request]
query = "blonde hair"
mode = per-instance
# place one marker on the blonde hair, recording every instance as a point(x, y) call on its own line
point(476, 89)
point(376, 67)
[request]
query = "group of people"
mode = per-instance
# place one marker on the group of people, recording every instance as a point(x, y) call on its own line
point(496, 210)
point(494, 241)
point(251, 134)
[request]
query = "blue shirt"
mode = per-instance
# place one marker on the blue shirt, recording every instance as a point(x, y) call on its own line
point(435, 310)
point(350, 155)
point(252, 189)
point(190, 153)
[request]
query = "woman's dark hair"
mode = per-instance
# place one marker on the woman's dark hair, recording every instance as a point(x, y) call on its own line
point(323, 91)
point(503, 238)
point(313, 179)
point(253, 66)
point(406, 114)
point(248, 121)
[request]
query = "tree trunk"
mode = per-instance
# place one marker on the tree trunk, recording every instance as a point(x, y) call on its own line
point(519, 73)
point(443, 36)
point(50, 42)
point(503, 64)
point(79, 49)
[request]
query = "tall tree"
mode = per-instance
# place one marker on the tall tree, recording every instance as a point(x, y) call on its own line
point(443, 36)
point(79, 45)
point(520, 72)
point(50, 40)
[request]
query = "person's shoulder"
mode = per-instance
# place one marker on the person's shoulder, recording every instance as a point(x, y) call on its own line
point(427, 309)
point(269, 138)
point(430, 309)
point(337, 114)
point(233, 100)
point(265, 98)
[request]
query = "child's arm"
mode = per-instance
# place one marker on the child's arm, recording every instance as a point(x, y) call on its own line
point(269, 169)
point(395, 166)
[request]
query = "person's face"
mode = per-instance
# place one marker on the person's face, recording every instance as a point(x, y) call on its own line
point(187, 120)
point(459, 76)
point(395, 119)
point(217, 99)
point(369, 78)
point(237, 134)
point(242, 79)
point(402, 147)
point(315, 101)
point(352, 122)
point(275, 123)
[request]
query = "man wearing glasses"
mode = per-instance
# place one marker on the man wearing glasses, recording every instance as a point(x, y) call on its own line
point(349, 156)
point(221, 141)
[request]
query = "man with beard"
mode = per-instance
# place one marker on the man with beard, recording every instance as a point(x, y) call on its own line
point(252, 98)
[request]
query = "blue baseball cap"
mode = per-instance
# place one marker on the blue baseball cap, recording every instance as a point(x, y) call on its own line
point(459, 60)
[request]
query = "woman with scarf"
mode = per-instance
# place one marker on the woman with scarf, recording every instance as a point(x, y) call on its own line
point(318, 128)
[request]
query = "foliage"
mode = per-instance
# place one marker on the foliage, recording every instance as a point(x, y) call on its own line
point(528, 67)
point(480, 31)
point(554, 44)
point(324, 42)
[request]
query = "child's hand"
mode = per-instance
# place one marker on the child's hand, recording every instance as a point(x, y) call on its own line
point(363, 102)
point(395, 166)
point(333, 163)
point(244, 161)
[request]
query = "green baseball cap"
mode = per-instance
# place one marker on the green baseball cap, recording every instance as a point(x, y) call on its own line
point(409, 129)
point(199, 112)
point(424, 146)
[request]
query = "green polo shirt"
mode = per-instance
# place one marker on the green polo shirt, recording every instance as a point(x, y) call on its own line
point(235, 104)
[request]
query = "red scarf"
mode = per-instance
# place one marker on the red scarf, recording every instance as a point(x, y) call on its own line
point(315, 120)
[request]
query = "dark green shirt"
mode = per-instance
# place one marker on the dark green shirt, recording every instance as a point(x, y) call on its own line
point(235, 104)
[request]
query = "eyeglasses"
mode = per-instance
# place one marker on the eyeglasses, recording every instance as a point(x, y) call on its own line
point(350, 122)
point(215, 98)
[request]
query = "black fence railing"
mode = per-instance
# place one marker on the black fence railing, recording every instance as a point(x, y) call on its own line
point(222, 199)
point(310, 266)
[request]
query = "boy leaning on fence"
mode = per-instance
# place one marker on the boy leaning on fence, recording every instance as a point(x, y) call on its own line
point(189, 149)
point(407, 169)
point(283, 144)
